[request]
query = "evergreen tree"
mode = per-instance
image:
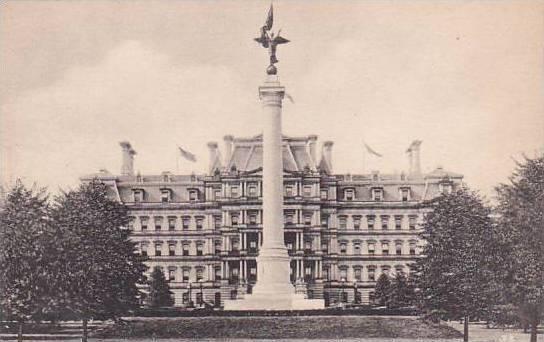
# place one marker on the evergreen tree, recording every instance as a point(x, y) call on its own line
point(25, 240)
point(101, 266)
point(521, 209)
point(382, 290)
point(401, 292)
point(455, 277)
point(159, 290)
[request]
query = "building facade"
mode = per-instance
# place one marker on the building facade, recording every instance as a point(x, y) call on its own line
point(341, 231)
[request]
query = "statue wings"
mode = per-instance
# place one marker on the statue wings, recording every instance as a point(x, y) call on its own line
point(279, 40)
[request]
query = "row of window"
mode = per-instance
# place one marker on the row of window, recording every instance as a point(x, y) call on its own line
point(371, 247)
point(355, 221)
point(251, 190)
point(371, 274)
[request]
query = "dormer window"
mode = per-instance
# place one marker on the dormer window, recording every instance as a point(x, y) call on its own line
point(349, 194)
point(166, 195)
point(445, 188)
point(252, 190)
point(377, 194)
point(324, 194)
point(166, 177)
point(235, 191)
point(289, 191)
point(193, 195)
point(404, 194)
point(138, 195)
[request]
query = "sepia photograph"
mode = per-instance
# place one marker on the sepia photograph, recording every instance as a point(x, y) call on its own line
point(281, 170)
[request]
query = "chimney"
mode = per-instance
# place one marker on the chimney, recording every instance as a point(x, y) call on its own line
point(212, 147)
point(312, 139)
point(127, 167)
point(414, 158)
point(327, 153)
point(229, 139)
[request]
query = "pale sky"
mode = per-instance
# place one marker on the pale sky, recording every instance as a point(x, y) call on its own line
point(77, 77)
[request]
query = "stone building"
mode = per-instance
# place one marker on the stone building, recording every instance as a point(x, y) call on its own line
point(341, 230)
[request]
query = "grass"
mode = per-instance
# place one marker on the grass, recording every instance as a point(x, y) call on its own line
point(308, 327)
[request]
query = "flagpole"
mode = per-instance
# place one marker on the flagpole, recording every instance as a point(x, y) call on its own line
point(177, 162)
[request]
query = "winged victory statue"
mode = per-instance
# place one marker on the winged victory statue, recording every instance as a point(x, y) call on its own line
point(270, 41)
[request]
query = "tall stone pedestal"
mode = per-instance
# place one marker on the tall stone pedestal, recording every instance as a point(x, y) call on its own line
point(273, 290)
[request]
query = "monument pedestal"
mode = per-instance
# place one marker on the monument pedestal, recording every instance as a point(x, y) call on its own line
point(273, 290)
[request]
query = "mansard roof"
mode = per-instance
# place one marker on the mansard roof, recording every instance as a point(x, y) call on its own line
point(247, 154)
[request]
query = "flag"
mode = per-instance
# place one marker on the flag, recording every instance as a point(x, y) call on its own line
point(371, 151)
point(269, 19)
point(187, 155)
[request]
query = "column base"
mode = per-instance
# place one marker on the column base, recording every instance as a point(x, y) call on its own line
point(277, 302)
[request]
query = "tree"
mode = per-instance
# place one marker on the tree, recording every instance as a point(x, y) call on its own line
point(382, 290)
point(521, 217)
point(159, 290)
point(455, 277)
point(101, 266)
point(25, 241)
point(401, 292)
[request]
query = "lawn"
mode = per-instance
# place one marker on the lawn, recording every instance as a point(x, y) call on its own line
point(305, 327)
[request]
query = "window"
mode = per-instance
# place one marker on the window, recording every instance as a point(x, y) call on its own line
point(253, 271)
point(356, 222)
point(289, 246)
point(185, 276)
point(199, 222)
point(217, 272)
point(385, 248)
point(158, 223)
point(144, 247)
point(289, 219)
point(165, 195)
point(217, 194)
point(398, 248)
point(171, 223)
point(235, 244)
point(252, 190)
point(234, 192)
point(289, 191)
point(172, 274)
point(186, 221)
point(399, 269)
point(307, 191)
point(385, 222)
point(253, 244)
point(200, 249)
point(199, 274)
point(398, 222)
point(185, 248)
point(130, 224)
point(324, 194)
point(386, 270)
point(343, 247)
point(144, 220)
point(371, 274)
point(349, 194)
point(193, 195)
point(412, 248)
point(343, 274)
point(308, 245)
point(308, 219)
point(412, 222)
point(357, 274)
point(405, 194)
point(371, 248)
point(217, 245)
point(326, 273)
point(357, 248)
point(377, 195)
point(342, 222)
point(217, 222)
point(308, 271)
point(445, 188)
point(158, 249)
point(252, 218)
point(171, 249)
point(324, 246)
point(370, 221)
point(234, 219)
point(324, 220)
point(138, 195)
